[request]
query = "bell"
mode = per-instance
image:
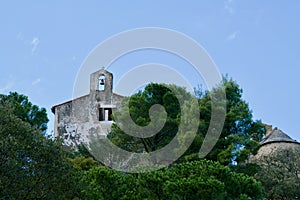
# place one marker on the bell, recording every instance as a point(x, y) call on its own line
point(101, 81)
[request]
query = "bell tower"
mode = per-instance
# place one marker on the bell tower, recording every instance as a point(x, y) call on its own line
point(101, 81)
point(101, 85)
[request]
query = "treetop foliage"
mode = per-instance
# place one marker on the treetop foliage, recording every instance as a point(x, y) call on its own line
point(239, 138)
point(192, 180)
point(32, 166)
point(25, 110)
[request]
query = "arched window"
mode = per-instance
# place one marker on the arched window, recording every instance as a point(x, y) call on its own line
point(101, 83)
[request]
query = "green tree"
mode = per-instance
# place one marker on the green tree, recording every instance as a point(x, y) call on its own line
point(280, 173)
point(25, 110)
point(190, 180)
point(31, 165)
point(240, 135)
point(105, 183)
point(139, 106)
point(239, 138)
point(82, 163)
point(209, 180)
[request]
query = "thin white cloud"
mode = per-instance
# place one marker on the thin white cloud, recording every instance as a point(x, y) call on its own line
point(7, 87)
point(228, 6)
point(36, 81)
point(232, 36)
point(34, 44)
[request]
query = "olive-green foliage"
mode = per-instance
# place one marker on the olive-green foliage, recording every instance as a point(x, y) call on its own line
point(280, 174)
point(82, 163)
point(191, 180)
point(31, 165)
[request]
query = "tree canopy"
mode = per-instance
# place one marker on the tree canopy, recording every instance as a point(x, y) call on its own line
point(139, 105)
point(32, 166)
point(239, 138)
point(241, 134)
point(279, 173)
point(25, 110)
point(192, 180)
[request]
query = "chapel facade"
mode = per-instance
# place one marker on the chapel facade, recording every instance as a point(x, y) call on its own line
point(89, 115)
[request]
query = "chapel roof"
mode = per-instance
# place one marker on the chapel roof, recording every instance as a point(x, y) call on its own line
point(277, 135)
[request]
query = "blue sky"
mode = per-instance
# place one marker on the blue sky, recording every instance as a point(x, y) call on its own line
point(257, 43)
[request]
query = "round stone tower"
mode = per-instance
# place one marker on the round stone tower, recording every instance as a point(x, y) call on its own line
point(274, 140)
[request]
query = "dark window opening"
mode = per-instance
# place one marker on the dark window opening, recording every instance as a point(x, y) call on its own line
point(105, 114)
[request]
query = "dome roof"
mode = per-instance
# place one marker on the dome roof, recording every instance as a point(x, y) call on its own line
point(277, 135)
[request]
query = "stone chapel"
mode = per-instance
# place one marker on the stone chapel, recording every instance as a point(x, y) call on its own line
point(76, 119)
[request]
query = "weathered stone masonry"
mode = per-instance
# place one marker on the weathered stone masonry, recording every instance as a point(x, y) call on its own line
point(77, 119)
point(274, 140)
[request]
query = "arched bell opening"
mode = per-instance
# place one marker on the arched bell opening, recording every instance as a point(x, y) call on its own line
point(101, 83)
